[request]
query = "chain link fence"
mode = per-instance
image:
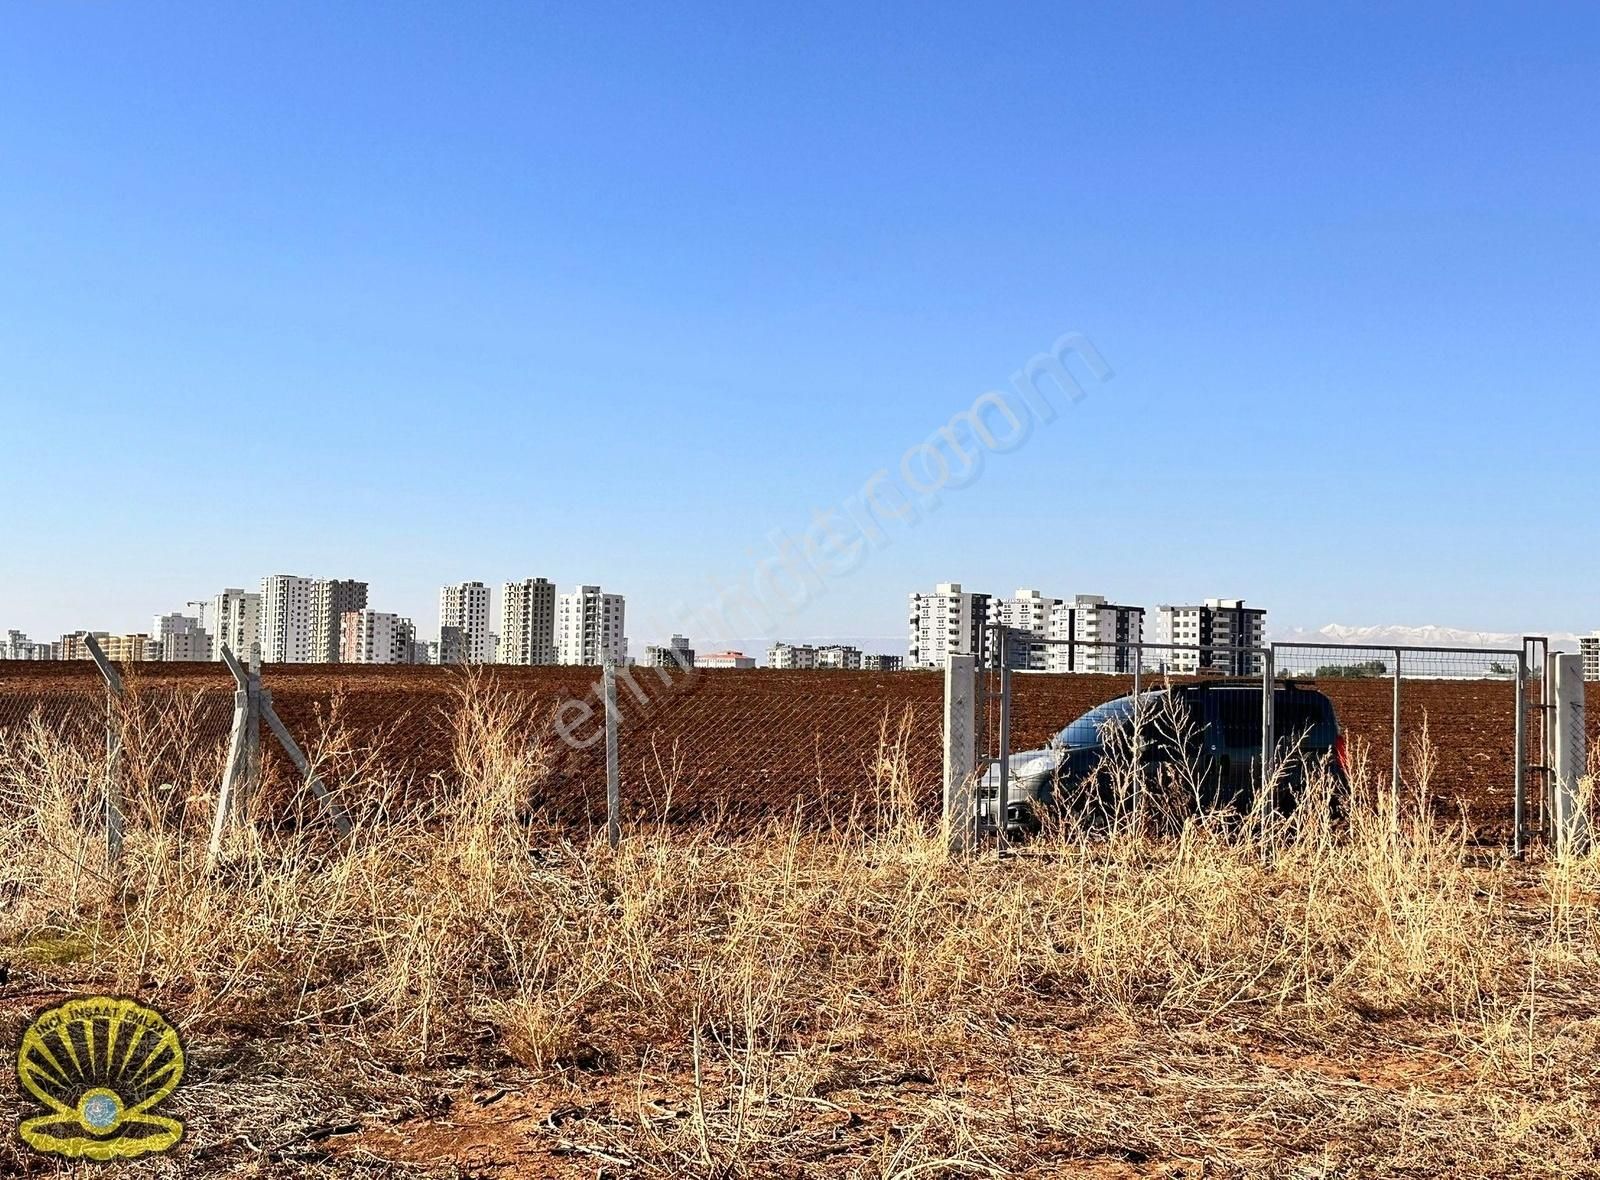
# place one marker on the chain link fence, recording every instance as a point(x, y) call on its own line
point(694, 746)
point(1464, 728)
point(744, 746)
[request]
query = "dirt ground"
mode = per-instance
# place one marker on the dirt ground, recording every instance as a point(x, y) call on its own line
point(743, 743)
point(1074, 1088)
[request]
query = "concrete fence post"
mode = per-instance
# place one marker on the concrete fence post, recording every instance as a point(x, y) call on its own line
point(113, 779)
point(1571, 758)
point(252, 777)
point(960, 749)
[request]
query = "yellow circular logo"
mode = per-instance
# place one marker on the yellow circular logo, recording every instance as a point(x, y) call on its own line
point(100, 1065)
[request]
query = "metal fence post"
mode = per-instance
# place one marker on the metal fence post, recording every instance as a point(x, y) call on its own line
point(1519, 804)
point(1394, 751)
point(1000, 808)
point(1547, 732)
point(1269, 749)
point(608, 679)
point(960, 749)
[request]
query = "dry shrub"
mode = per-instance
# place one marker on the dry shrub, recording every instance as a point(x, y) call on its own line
point(741, 959)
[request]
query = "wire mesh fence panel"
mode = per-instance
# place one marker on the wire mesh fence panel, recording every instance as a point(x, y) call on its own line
point(743, 745)
point(746, 745)
point(1086, 720)
point(1442, 722)
point(832, 747)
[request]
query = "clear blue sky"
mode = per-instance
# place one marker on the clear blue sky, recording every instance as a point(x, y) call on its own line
point(424, 293)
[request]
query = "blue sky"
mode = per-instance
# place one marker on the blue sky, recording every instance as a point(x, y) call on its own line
point(425, 293)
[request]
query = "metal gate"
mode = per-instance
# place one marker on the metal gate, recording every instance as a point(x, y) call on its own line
point(1403, 696)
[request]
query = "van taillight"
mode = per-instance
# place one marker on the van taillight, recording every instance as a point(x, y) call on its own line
point(1339, 754)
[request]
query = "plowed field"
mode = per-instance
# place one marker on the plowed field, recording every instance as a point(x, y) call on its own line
point(744, 744)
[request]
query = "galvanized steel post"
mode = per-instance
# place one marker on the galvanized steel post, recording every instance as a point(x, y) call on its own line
point(1519, 804)
point(1269, 750)
point(1394, 745)
point(999, 810)
point(613, 770)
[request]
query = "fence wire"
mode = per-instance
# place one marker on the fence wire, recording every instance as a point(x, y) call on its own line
point(745, 746)
point(1439, 723)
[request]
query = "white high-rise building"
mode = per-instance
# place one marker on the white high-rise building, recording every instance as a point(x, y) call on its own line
point(287, 628)
point(528, 622)
point(791, 656)
point(1104, 633)
point(233, 618)
point(1215, 623)
point(590, 627)
point(1027, 619)
point(465, 606)
point(947, 622)
point(331, 600)
point(376, 637)
point(1589, 645)
point(180, 637)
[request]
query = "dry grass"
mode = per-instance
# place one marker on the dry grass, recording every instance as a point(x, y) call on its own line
point(1255, 997)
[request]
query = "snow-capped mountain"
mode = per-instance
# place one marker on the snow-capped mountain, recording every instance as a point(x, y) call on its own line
point(1426, 636)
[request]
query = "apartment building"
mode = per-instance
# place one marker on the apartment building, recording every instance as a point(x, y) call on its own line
point(791, 656)
point(124, 649)
point(1027, 617)
point(726, 659)
point(839, 656)
point(882, 663)
point(72, 645)
point(1103, 634)
point(376, 637)
point(950, 621)
point(1589, 645)
point(232, 618)
point(676, 654)
point(528, 622)
point(180, 637)
point(1215, 623)
point(287, 619)
point(14, 645)
point(465, 606)
point(449, 648)
point(590, 627)
point(331, 600)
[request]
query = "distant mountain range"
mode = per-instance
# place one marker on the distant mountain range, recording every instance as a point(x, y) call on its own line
point(1428, 636)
